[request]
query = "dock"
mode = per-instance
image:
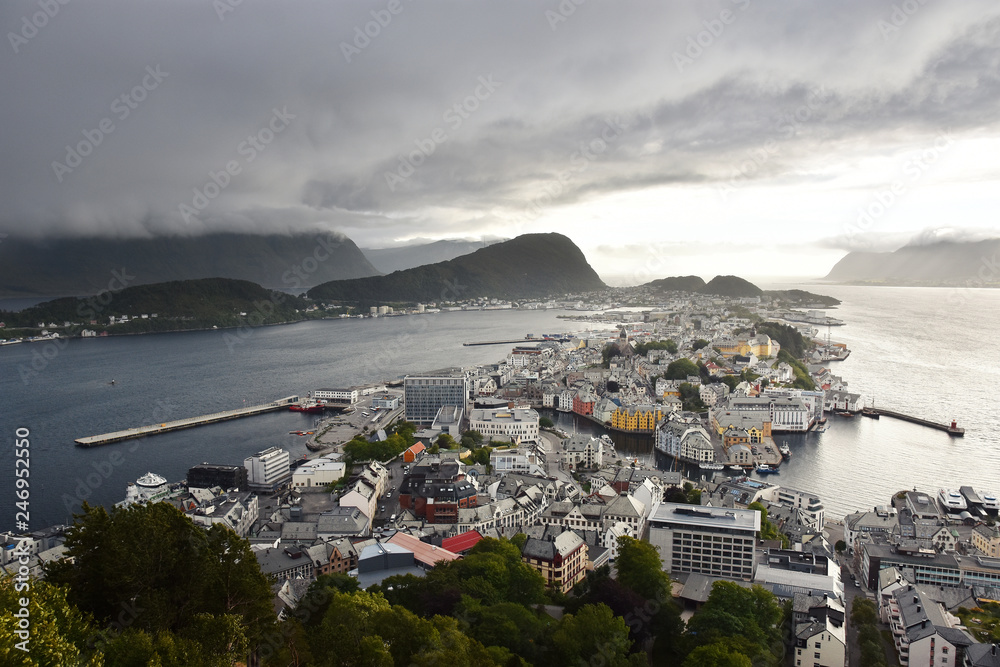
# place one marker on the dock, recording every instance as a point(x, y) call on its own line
point(951, 429)
point(166, 427)
point(504, 342)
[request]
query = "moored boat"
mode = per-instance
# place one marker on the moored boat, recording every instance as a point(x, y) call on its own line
point(786, 452)
point(764, 469)
point(952, 500)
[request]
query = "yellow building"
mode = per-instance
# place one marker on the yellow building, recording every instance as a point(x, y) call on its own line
point(987, 539)
point(636, 417)
point(760, 345)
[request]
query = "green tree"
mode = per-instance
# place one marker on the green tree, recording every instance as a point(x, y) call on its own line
point(545, 422)
point(59, 633)
point(720, 653)
point(592, 631)
point(840, 546)
point(153, 562)
point(698, 344)
point(863, 612)
point(681, 369)
point(748, 619)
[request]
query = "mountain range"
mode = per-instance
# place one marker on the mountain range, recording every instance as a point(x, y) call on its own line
point(736, 287)
point(64, 267)
point(388, 260)
point(529, 266)
point(941, 263)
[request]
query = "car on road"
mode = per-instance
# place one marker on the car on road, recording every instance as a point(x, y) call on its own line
point(381, 509)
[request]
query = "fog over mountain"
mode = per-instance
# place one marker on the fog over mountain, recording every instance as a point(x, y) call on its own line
point(683, 136)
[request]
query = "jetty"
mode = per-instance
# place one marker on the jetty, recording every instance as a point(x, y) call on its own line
point(952, 429)
point(504, 342)
point(165, 427)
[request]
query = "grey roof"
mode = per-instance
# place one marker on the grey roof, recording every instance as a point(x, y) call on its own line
point(983, 655)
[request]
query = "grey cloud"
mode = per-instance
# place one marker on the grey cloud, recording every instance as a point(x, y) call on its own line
point(518, 151)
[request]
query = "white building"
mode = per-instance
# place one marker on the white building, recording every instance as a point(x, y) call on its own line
point(514, 460)
point(584, 451)
point(363, 496)
point(518, 424)
point(339, 395)
point(809, 504)
point(385, 402)
point(269, 469)
point(924, 633)
point(821, 643)
point(565, 401)
point(318, 472)
point(237, 511)
point(714, 541)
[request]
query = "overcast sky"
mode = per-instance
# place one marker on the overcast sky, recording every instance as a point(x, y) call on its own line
point(663, 138)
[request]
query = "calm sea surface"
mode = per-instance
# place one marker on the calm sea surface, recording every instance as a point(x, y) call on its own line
point(926, 351)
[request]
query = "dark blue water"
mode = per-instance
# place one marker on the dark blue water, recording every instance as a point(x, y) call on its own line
point(928, 351)
point(61, 392)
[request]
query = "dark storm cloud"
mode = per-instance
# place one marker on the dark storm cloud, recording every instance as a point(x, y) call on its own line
point(446, 117)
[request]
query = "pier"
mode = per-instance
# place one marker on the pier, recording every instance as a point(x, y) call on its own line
point(165, 427)
point(951, 429)
point(504, 342)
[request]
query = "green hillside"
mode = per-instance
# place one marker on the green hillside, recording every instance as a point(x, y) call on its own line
point(529, 266)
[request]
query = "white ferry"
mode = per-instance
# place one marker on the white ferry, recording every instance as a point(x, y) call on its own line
point(952, 500)
point(990, 500)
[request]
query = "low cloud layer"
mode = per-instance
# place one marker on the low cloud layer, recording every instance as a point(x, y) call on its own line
point(396, 120)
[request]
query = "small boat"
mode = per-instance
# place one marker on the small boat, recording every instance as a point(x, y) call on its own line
point(711, 466)
point(311, 408)
point(764, 469)
point(846, 414)
point(736, 468)
point(786, 453)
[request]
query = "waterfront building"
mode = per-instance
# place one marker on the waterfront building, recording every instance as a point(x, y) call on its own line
point(517, 425)
point(637, 418)
point(347, 396)
point(206, 476)
point(424, 395)
point(584, 451)
point(987, 540)
point(786, 413)
point(583, 402)
point(713, 541)
point(268, 470)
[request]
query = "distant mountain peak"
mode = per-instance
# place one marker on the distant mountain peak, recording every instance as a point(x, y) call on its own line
point(528, 266)
point(945, 262)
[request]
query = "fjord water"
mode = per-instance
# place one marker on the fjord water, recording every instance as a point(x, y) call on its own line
point(920, 350)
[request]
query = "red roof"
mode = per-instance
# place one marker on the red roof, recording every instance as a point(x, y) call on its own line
point(461, 542)
point(417, 448)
